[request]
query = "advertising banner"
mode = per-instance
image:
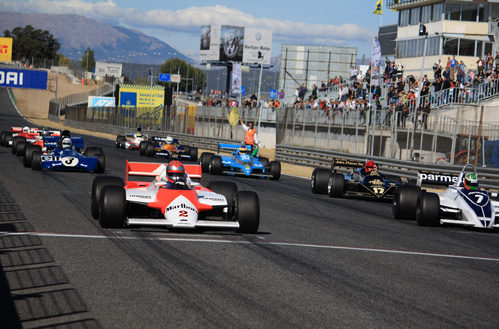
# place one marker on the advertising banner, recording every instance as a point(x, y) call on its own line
point(143, 102)
point(257, 40)
point(5, 49)
point(210, 43)
point(23, 78)
point(236, 78)
point(110, 69)
point(99, 101)
point(231, 43)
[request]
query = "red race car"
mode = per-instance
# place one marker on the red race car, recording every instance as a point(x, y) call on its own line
point(172, 199)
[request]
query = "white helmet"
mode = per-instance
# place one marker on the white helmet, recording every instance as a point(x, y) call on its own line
point(169, 140)
point(66, 143)
point(25, 129)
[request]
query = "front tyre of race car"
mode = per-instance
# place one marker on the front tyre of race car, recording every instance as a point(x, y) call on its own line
point(28, 154)
point(98, 184)
point(16, 140)
point(6, 138)
point(229, 191)
point(336, 185)
point(93, 151)
point(216, 165)
point(142, 148)
point(150, 151)
point(320, 180)
point(101, 163)
point(205, 160)
point(248, 211)
point(120, 141)
point(428, 209)
point(194, 153)
point(265, 162)
point(112, 212)
point(405, 201)
point(21, 147)
point(275, 170)
point(36, 160)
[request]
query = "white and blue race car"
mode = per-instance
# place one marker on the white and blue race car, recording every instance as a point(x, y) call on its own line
point(456, 205)
point(239, 163)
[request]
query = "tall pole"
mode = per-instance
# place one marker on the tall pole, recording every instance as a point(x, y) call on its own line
point(258, 97)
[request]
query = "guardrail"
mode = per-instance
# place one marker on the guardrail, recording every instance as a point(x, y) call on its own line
point(489, 177)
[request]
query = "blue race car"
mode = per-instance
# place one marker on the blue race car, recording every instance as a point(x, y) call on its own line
point(66, 154)
point(361, 179)
point(239, 163)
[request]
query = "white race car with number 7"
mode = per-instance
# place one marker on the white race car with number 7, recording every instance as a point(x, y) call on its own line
point(172, 200)
point(462, 203)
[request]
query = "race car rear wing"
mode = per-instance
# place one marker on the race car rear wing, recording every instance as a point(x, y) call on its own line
point(230, 147)
point(152, 169)
point(436, 179)
point(162, 139)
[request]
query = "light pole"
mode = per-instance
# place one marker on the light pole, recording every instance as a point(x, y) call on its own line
point(260, 57)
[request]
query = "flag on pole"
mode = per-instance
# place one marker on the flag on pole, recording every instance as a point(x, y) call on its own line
point(378, 10)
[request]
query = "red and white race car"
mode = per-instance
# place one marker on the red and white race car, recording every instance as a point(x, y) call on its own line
point(173, 204)
point(131, 140)
point(19, 137)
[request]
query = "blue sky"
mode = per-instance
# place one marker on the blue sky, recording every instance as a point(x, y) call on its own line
point(349, 23)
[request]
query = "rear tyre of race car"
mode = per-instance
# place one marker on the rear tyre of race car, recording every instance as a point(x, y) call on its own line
point(28, 154)
point(93, 151)
point(7, 138)
point(319, 180)
point(16, 140)
point(205, 160)
point(36, 160)
point(275, 170)
point(142, 148)
point(229, 191)
point(98, 184)
point(194, 153)
point(150, 150)
point(336, 185)
point(112, 211)
point(405, 201)
point(187, 149)
point(120, 141)
point(101, 163)
point(3, 138)
point(21, 148)
point(248, 211)
point(393, 178)
point(216, 165)
point(428, 209)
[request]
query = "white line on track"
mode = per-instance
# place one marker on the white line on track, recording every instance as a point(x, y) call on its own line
point(274, 243)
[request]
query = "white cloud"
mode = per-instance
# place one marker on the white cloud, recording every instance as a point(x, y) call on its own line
point(190, 19)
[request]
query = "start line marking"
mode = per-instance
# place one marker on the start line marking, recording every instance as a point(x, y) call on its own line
point(261, 242)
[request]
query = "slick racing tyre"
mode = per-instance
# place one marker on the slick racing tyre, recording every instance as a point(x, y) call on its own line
point(248, 211)
point(142, 148)
point(194, 153)
point(92, 151)
point(120, 141)
point(112, 212)
point(319, 180)
point(428, 209)
point(150, 151)
point(336, 185)
point(229, 191)
point(265, 162)
point(36, 160)
point(7, 138)
point(101, 163)
point(97, 186)
point(275, 170)
point(205, 160)
point(16, 140)
point(28, 154)
point(405, 201)
point(216, 165)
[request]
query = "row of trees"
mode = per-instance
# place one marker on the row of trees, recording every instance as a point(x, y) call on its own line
point(29, 43)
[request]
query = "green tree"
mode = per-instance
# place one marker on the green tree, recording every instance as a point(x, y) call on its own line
point(190, 75)
point(64, 61)
point(29, 43)
point(88, 60)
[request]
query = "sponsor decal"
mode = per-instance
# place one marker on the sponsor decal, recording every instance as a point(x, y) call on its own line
point(140, 196)
point(23, 78)
point(346, 163)
point(436, 178)
point(49, 158)
point(69, 161)
point(181, 206)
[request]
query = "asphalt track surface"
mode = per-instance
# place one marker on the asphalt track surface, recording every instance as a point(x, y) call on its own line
point(315, 262)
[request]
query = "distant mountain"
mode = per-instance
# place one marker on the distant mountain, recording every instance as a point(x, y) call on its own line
point(109, 43)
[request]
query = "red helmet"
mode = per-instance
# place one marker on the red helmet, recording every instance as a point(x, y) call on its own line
point(369, 166)
point(175, 171)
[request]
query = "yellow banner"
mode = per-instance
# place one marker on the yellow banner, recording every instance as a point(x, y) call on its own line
point(233, 117)
point(5, 49)
point(143, 102)
point(378, 9)
point(191, 118)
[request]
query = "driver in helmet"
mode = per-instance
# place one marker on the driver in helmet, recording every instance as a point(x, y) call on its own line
point(138, 134)
point(66, 143)
point(169, 140)
point(25, 129)
point(174, 176)
point(369, 168)
point(243, 149)
point(470, 182)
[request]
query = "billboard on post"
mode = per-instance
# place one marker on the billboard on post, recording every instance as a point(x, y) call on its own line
point(210, 43)
point(5, 49)
point(143, 102)
point(110, 69)
point(257, 40)
point(23, 78)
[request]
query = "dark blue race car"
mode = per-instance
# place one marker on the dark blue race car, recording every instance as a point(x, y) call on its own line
point(240, 162)
point(67, 154)
point(357, 179)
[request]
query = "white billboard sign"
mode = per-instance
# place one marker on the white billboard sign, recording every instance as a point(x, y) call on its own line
point(210, 43)
point(110, 69)
point(257, 40)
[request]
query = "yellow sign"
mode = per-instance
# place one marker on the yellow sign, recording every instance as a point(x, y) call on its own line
point(144, 103)
point(191, 119)
point(5, 49)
